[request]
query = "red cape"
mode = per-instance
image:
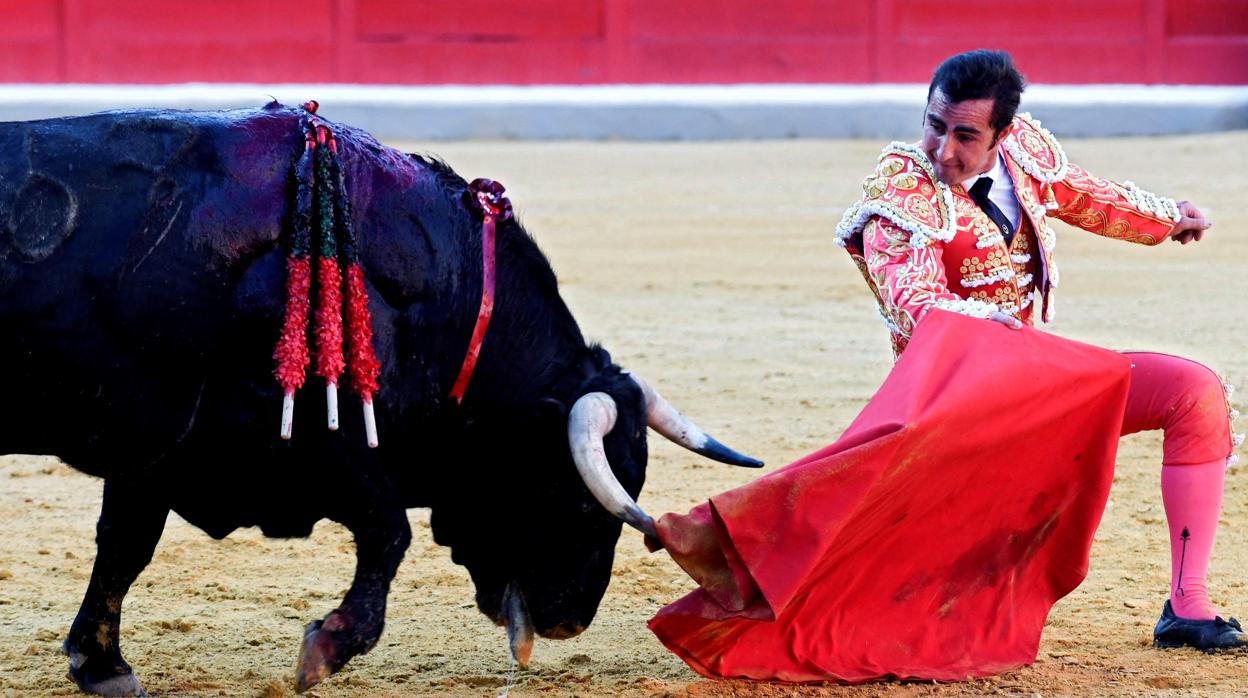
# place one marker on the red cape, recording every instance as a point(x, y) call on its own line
point(931, 540)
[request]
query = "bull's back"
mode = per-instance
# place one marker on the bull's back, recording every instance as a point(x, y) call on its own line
point(104, 195)
point(126, 240)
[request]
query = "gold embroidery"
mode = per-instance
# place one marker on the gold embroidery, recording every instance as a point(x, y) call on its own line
point(917, 275)
point(921, 167)
point(891, 166)
point(1078, 178)
point(984, 227)
point(1035, 147)
point(1122, 230)
point(920, 207)
point(1003, 296)
point(1050, 200)
point(896, 240)
point(1078, 212)
point(976, 220)
point(1030, 204)
point(965, 207)
point(1028, 141)
point(1048, 239)
point(995, 259)
point(905, 180)
point(1118, 229)
point(976, 271)
point(1109, 196)
point(1021, 244)
point(875, 188)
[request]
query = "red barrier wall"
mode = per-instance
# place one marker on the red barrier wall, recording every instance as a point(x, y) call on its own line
point(614, 41)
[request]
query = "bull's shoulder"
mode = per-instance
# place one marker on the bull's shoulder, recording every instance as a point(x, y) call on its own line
point(904, 190)
point(1035, 150)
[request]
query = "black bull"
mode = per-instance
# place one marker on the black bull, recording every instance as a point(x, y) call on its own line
point(142, 269)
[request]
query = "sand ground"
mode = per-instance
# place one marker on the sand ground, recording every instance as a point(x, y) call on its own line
point(710, 269)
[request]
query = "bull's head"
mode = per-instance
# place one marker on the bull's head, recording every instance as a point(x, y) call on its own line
point(556, 592)
point(538, 525)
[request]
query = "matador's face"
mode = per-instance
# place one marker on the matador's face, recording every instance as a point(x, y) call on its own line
point(958, 137)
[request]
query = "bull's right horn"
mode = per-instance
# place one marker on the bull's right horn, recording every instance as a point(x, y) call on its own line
point(592, 417)
point(668, 421)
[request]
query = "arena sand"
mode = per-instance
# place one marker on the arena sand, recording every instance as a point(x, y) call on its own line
point(710, 269)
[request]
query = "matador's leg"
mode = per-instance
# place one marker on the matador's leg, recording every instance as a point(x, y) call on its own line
point(1186, 400)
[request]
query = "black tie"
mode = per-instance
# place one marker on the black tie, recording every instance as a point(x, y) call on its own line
point(979, 194)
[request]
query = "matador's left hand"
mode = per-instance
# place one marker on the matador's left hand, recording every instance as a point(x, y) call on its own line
point(1191, 226)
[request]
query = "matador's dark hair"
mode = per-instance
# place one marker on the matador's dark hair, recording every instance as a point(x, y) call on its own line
point(981, 74)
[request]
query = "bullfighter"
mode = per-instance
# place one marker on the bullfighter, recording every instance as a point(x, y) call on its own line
point(959, 221)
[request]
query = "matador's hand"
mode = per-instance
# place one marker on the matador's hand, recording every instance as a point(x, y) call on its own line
point(1006, 319)
point(1191, 226)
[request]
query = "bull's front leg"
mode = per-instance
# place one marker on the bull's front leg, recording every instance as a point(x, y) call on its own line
point(382, 535)
point(131, 522)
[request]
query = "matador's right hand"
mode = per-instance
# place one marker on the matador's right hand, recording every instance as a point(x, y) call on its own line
point(1191, 226)
point(1006, 319)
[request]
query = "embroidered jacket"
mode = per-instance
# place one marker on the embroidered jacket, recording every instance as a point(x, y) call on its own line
point(922, 244)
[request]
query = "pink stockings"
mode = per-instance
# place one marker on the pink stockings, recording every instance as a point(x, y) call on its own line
point(1193, 497)
point(1186, 400)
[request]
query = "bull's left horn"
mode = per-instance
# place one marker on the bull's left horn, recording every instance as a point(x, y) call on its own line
point(592, 417)
point(669, 422)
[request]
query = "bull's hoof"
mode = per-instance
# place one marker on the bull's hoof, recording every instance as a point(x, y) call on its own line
point(108, 680)
point(319, 656)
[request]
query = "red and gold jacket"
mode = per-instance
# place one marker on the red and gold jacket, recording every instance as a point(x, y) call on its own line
point(922, 244)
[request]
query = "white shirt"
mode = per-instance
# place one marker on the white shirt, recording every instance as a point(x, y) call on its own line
point(1002, 191)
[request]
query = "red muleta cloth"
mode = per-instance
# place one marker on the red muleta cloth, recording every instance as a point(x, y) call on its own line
point(931, 540)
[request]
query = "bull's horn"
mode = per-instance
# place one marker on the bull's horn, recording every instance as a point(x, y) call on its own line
point(519, 625)
point(591, 418)
point(666, 420)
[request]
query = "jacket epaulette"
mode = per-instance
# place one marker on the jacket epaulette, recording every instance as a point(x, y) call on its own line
point(904, 190)
point(1036, 150)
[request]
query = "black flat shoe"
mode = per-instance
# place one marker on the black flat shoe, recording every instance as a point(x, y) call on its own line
point(1208, 635)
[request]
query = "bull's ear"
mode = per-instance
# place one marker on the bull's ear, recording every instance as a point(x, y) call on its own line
point(553, 408)
point(628, 397)
point(601, 357)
